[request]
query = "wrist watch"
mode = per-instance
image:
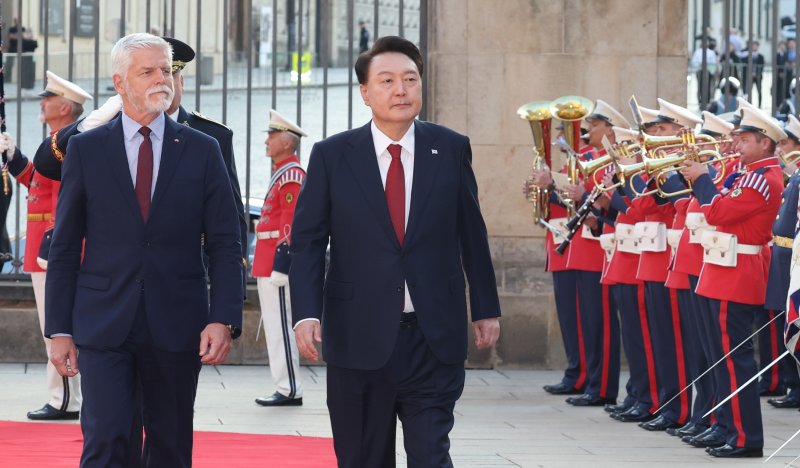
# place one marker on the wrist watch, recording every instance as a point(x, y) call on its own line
point(231, 329)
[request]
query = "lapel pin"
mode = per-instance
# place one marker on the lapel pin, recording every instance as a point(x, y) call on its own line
point(433, 151)
point(177, 140)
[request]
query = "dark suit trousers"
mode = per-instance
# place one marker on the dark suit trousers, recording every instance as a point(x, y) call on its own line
point(413, 385)
point(168, 384)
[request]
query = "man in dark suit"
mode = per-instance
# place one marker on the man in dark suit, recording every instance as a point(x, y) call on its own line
point(137, 195)
point(398, 201)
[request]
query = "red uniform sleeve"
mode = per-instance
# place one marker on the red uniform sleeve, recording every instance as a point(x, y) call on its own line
point(288, 201)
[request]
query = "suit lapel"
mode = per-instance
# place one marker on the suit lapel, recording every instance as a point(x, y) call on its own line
point(364, 163)
point(426, 163)
point(118, 160)
point(171, 151)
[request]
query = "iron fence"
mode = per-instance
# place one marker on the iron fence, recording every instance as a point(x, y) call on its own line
point(295, 56)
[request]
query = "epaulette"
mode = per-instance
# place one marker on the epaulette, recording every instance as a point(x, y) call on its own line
point(294, 175)
point(207, 119)
point(59, 155)
point(756, 181)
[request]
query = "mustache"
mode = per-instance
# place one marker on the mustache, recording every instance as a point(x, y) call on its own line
point(160, 89)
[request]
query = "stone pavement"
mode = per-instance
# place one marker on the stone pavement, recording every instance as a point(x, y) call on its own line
point(503, 419)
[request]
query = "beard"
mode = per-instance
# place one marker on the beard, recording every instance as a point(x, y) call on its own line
point(144, 103)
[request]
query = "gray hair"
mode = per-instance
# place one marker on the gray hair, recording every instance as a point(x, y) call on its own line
point(294, 139)
point(76, 110)
point(124, 48)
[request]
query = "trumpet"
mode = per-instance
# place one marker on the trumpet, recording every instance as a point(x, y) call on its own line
point(537, 113)
point(660, 169)
point(791, 158)
point(660, 146)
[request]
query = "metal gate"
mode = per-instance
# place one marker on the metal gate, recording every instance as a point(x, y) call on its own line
point(295, 56)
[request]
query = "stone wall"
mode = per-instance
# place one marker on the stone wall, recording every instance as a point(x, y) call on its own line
point(488, 58)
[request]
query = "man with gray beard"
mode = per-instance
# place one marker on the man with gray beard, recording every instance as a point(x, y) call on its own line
point(137, 195)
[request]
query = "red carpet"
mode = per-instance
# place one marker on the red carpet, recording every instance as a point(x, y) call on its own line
point(29, 445)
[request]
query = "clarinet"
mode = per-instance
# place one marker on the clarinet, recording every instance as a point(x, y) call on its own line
point(577, 221)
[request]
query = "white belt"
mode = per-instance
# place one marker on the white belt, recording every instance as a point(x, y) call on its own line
point(748, 249)
point(261, 235)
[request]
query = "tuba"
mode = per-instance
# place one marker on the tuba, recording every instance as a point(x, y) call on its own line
point(537, 114)
point(571, 110)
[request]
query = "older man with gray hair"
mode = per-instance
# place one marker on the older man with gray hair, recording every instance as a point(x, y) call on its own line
point(137, 196)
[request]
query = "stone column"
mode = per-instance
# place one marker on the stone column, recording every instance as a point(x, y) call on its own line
point(488, 58)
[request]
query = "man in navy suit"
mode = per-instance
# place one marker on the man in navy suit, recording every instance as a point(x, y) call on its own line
point(398, 201)
point(126, 284)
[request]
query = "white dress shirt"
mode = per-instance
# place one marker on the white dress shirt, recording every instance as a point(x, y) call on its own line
point(382, 142)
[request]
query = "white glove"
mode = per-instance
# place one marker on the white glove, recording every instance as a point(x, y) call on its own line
point(7, 144)
point(102, 114)
point(279, 279)
point(42, 263)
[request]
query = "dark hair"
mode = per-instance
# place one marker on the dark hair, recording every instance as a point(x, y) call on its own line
point(383, 45)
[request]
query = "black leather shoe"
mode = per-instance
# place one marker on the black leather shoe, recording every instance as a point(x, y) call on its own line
point(48, 413)
point(618, 408)
point(276, 399)
point(562, 389)
point(792, 400)
point(635, 414)
point(710, 439)
point(779, 391)
point(692, 431)
point(729, 451)
point(590, 400)
point(678, 431)
point(659, 424)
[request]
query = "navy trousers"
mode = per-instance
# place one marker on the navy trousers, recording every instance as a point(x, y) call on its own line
point(638, 346)
point(600, 327)
point(696, 359)
point(734, 325)
point(136, 377)
point(665, 324)
point(565, 288)
point(413, 386)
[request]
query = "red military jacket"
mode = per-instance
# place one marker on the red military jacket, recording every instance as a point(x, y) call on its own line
point(623, 265)
point(586, 254)
point(653, 266)
point(678, 279)
point(555, 261)
point(747, 210)
point(42, 199)
point(275, 225)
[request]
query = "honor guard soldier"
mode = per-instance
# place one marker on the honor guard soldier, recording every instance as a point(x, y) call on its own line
point(598, 314)
point(770, 339)
point(735, 264)
point(662, 302)
point(628, 293)
point(271, 261)
point(62, 103)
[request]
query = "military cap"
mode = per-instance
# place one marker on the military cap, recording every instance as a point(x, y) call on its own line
point(673, 113)
point(181, 53)
point(754, 120)
point(604, 111)
point(649, 116)
point(279, 123)
point(714, 124)
point(57, 86)
point(792, 127)
point(624, 134)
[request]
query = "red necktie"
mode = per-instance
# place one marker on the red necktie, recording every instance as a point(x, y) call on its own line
point(396, 193)
point(144, 172)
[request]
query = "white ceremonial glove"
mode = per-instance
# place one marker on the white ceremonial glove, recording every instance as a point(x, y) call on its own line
point(279, 279)
point(102, 114)
point(7, 144)
point(42, 263)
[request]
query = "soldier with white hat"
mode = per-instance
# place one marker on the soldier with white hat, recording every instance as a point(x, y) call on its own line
point(733, 277)
point(62, 103)
point(271, 261)
point(672, 118)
